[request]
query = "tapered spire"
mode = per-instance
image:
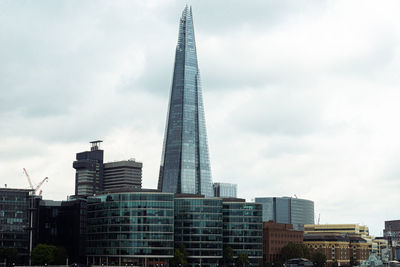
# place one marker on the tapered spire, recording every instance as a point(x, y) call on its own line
point(185, 166)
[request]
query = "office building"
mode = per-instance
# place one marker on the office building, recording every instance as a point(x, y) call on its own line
point(130, 228)
point(225, 190)
point(17, 208)
point(125, 174)
point(62, 224)
point(275, 237)
point(392, 234)
point(89, 171)
point(185, 166)
point(198, 227)
point(288, 210)
point(242, 228)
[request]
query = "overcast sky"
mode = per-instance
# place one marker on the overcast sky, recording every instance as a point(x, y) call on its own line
point(301, 97)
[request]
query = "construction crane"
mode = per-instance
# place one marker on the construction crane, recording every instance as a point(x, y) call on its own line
point(35, 189)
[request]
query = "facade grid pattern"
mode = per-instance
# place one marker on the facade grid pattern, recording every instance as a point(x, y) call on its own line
point(130, 228)
point(198, 227)
point(242, 229)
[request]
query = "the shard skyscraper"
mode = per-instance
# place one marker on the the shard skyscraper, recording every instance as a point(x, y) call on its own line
point(185, 165)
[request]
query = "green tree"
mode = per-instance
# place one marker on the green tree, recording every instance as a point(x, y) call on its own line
point(228, 255)
point(49, 254)
point(243, 259)
point(294, 250)
point(42, 254)
point(180, 256)
point(318, 259)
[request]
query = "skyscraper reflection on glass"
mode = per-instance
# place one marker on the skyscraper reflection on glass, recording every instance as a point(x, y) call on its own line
point(185, 166)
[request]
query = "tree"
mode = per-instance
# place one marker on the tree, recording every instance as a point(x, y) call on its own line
point(243, 259)
point(294, 250)
point(42, 254)
point(318, 259)
point(180, 256)
point(48, 254)
point(228, 255)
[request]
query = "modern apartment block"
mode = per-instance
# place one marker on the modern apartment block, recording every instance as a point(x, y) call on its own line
point(287, 210)
point(89, 171)
point(198, 227)
point(275, 237)
point(125, 174)
point(225, 190)
point(185, 165)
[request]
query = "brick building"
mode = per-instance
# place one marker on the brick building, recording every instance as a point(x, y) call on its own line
point(340, 243)
point(276, 236)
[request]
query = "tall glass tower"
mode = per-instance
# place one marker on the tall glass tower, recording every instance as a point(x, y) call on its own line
point(185, 166)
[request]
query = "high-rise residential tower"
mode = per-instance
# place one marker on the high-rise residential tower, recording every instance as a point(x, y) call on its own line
point(185, 166)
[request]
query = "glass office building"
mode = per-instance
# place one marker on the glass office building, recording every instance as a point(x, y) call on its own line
point(242, 228)
point(198, 227)
point(133, 228)
point(63, 224)
point(287, 210)
point(225, 190)
point(16, 208)
point(185, 166)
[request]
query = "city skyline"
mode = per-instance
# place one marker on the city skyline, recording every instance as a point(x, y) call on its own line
point(300, 96)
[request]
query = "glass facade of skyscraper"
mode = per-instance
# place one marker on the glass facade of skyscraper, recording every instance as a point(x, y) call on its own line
point(130, 228)
point(242, 229)
point(287, 210)
point(185, 166)
point(225, 190)
point(198, 227)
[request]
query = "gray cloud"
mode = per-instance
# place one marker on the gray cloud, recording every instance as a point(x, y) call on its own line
point(300, 96)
